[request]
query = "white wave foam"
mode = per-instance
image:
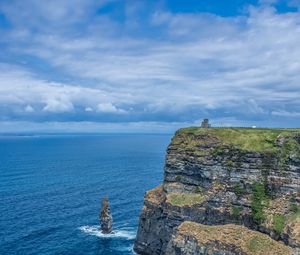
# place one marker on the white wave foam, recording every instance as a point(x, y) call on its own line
point(96, 231)
point(132, 251)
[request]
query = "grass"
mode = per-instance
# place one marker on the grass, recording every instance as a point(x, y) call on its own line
point(178, 178)
point(259, 200)
point(279, 223)
point(198, 189)
point(236, 211)
point(156, 195)
point(258, 245)
point(249, 139)
point(184, 199)
point(229, 163)
point(239, 190)
point(295, 208)
point(240, 238)
point(295, 213)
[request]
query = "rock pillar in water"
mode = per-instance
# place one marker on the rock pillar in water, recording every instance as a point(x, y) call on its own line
point(105, 217)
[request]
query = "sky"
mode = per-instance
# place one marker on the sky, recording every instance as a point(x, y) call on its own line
point(148, 65)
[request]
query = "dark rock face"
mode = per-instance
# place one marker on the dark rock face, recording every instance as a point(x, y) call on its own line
point(154, 232)
point(224, 176)
point(105, 217)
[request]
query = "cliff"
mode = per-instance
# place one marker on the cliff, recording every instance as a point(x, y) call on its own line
point(225, 191)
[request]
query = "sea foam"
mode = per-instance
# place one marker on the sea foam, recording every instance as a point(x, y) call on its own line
point(96, 231)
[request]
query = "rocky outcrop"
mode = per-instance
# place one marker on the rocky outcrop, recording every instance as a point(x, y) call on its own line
point(216, 177)
point(193, 238)
point(105, 217)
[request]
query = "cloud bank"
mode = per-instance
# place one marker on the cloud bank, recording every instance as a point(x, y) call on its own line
point(135, 62)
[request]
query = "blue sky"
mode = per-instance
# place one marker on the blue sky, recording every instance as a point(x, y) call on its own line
point(148, 66)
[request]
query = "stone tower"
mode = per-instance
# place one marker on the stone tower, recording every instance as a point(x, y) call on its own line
point(205, 124)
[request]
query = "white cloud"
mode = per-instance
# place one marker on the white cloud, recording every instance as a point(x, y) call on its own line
point(253, 107)
point(55, 14)
point(58, 105)
point(286, 113)
point(109, 108)
point(49, 96)
point(184, 64)
point(29, 108)
point(88, 109)
point(219, 59)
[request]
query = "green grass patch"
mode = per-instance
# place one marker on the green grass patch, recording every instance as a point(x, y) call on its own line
point(259, 244)
point(218, 152)
point(295, 208)
point(178, 178)
point(249, 139)
point(291, 146)
point(229, 163)
point(236, 212)
point(199, 189)
point(295, 212)
point(241, 239)
point(185, 199)
point(279, 223)
point(259, 201)
point(239, 190)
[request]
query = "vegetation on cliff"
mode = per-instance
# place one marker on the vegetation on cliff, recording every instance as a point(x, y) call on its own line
point(248, 139)
point(259, 201)
point(185, 199)
point(237, 239)
point(217, 176)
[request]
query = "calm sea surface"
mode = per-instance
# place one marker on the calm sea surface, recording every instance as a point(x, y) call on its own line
point(51, 188)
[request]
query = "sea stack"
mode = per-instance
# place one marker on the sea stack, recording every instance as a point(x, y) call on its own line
point(105, 217)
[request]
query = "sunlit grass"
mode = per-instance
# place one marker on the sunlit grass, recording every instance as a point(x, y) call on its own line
point(250, 139)
point(184, 199)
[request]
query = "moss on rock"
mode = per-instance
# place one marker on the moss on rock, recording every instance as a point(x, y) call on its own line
point(233, 238)
point(185, 199)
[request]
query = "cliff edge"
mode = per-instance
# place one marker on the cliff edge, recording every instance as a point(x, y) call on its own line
point(225, 191)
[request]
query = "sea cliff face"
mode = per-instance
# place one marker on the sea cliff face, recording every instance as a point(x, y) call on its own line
point(235, 182)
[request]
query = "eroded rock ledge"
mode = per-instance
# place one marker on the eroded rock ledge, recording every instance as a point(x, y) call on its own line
point(194, 238)
point(247, 178)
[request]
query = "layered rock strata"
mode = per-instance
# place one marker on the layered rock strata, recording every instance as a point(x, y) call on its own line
point(249, 178)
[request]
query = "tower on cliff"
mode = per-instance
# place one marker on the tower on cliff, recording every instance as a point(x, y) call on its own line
point(205, 124)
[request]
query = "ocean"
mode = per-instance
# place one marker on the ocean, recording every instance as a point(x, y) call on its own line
point(52, 185)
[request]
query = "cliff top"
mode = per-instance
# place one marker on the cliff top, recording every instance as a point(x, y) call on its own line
point(246, 241)
point(248, 139)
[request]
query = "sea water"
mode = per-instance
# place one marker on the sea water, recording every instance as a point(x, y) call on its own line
point(52, 185)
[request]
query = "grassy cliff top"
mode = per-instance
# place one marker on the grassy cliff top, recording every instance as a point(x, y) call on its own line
point(184, 199)
point(246, 241)
point(250, 139)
